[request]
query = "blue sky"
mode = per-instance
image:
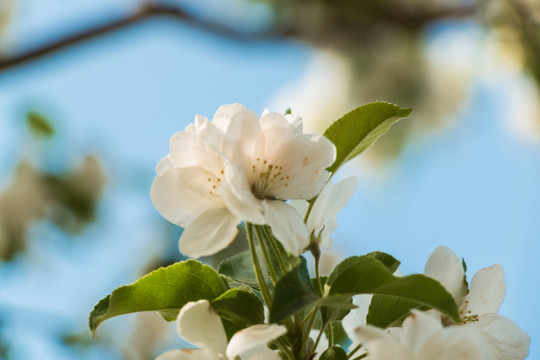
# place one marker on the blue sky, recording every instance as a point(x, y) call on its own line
point(472, 187)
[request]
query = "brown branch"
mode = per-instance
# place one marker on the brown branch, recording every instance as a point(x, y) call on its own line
point(146, 12)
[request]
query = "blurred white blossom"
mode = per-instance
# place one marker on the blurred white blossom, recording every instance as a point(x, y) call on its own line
point(199, 324)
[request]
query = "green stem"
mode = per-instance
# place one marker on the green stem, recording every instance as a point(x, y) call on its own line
point(354, 351)
point(360, 357)
point(275, 248)
point(257, 266)
point(321, 331)
point(285, 349)
point(330, 331)
point(267, 260)
point(307, 331)
point(317, 275)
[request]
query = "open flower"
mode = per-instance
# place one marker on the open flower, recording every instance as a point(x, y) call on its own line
point(199, 324)
point(422, 337)
point(240, 167)
point(479, 308)
point(322, 218)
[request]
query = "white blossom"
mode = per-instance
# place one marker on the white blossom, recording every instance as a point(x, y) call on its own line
point(199, 324)
point(240, 167)
point(321, 221)
point(422, 337)
point(479, 308)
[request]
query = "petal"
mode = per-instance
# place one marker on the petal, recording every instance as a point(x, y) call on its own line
point(418, 328)
point(302, 160)
point(388, 348)
point(287, 225)
point(199, 324)
point(295, 122)
point(445, 267)
point(487, 291)
point(164, 164)
point(503, 335)
point(224, 114)
point(211, 232)
point(189, 149)
point(253, 339)
point(241, 137)
point(366, 334)
point(272, 119)
point(357, 317)
point(181, 195)
point(301, 206)
point(462, 343)
point(330, 201)
point(263, 354)
point(187, 354)
point(237, 195)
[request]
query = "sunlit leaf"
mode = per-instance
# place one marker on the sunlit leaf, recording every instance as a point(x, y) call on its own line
point(359, 129)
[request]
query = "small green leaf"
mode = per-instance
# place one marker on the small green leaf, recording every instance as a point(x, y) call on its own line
point(165, 290)
point(357, 130)
point(238, 309)
point(39, 124)
point(388, 260)
point(292, 293)
point(334, 353)
point(366, 275)
point(385, 311)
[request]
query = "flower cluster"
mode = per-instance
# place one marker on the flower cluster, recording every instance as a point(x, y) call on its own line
point(265, 303)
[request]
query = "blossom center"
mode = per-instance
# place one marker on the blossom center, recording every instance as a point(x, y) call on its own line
point(264, 176)
point(214, 182)
point(466, 315)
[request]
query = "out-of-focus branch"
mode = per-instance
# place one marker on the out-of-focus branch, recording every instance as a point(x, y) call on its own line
point(145, 12)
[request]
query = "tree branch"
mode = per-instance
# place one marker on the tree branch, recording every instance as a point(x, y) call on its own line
point(145, 12)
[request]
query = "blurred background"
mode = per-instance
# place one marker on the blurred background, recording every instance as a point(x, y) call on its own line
point(91, 92)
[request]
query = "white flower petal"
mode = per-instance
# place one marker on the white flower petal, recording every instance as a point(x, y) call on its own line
point(187, 354)
point(263, 354)
point(330, 201)
point(504, 336)
point(224, 114)
point(211, 232)
point(301, 206)
point(366, 334)
point(241, 137)
point(287, 226)
point(296, 123)
point(199, 324)
point(164, 164)
point(462, 343)
point(487, 291)
point(303, 158)
point(272, 119)
point(253, 339)
point(445, 267)
point(357, 317)
point(181, 195)
point(418, 328)
point(237, 195)
point(388, 349)
point(189, 149)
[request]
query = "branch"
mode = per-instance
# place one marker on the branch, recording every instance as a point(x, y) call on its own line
point(145, 12)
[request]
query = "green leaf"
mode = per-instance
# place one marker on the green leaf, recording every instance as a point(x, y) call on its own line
point(334, 353)
point(388, 260)
point(39, 124)
point(239, 267)
point(292, 293)
point(366, 275)
point(385, 311)
point(238, 309)
point(357, 130)
point(165, 290)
